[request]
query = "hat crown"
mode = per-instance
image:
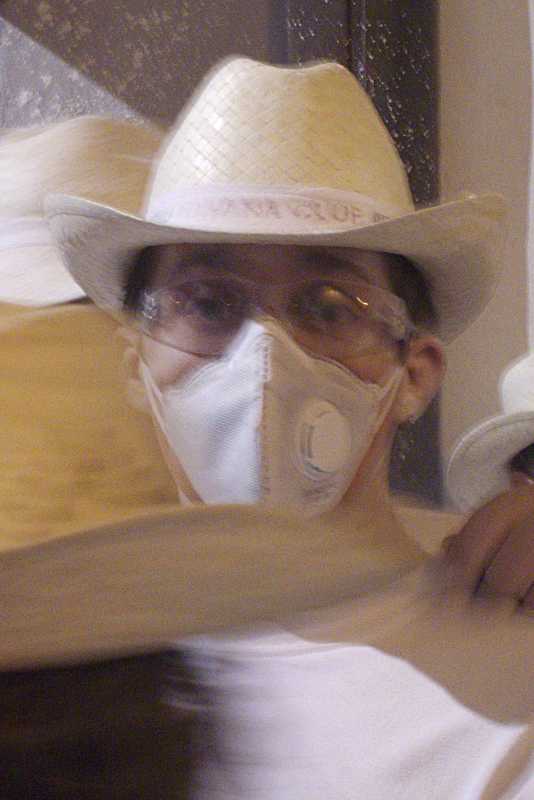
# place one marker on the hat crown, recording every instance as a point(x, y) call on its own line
point(517, 386)
point(253, 124)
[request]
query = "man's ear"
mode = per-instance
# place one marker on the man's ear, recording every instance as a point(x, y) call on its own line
point(135, 389)
point(425, 365)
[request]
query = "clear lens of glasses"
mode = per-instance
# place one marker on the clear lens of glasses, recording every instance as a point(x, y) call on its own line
point(202, 315)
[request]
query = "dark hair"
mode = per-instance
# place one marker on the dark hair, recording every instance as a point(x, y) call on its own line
point(524, 461)
point(408, 283)
point(139, 277)
point(117, 729)
point(405, 279)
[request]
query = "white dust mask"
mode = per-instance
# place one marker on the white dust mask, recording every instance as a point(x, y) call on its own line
point(268, 423)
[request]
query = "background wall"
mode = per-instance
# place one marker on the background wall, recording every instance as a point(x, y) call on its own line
point(485, 102)
point(530, 240)
point(132, 58)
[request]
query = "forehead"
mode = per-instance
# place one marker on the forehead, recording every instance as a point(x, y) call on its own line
point(278, 263)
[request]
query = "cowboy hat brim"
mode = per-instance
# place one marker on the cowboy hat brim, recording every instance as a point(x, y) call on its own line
point(35, 276)
point(32, 272)
point(144, 583)
point(478, 469)
point(456, 245)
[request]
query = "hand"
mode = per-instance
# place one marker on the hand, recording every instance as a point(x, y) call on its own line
point(493, 554)
point(128, 340)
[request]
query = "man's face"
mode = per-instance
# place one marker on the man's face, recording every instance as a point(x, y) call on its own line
point(336, 303)
point(274, 275)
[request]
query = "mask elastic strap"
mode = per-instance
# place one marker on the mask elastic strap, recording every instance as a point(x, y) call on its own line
point(155, 397)
point(391, 389)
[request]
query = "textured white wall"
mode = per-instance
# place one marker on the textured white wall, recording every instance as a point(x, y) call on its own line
point(485, 116)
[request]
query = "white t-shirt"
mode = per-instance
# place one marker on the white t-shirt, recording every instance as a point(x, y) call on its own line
point(408, 694)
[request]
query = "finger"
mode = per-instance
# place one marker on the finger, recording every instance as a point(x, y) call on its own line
point(130, 361)
point(512, 567)
point(447, 542)
point(127, 335)
point(472, 550)
point(528, 600)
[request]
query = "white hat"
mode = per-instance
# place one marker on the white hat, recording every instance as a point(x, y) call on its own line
point(289, 155)
point(479, 466)
point(96, 557)
point(107, 160)
point(147, 582)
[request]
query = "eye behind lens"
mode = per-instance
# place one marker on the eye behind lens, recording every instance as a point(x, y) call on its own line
point(199, 317)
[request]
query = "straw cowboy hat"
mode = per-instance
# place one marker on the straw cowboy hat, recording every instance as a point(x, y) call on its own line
point(96, 557)
point(145, 582)
point(106, 160)
point(289, 155)
point(479, 465)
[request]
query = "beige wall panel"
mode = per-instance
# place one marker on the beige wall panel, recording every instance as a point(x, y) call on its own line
point(485, 139)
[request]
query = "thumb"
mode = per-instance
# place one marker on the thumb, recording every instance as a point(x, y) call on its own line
point(469, 553)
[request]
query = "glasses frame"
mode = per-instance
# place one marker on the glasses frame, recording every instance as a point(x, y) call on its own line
point(388, 309)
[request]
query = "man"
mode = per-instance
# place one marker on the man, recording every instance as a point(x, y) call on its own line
point(285, 334)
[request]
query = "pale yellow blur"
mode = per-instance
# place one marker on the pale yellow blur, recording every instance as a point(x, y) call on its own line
point(73, 452)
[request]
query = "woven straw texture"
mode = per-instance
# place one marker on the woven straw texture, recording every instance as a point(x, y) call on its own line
point(315, 126)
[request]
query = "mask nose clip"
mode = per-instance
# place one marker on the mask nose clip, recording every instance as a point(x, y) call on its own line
point(258, 329)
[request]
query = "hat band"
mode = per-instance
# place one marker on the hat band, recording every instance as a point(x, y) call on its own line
point(270, 209)
point(29, 231)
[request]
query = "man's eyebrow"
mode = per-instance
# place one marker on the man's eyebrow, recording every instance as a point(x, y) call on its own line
point(334, 262)
point(198, 256)
point(203, 254)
